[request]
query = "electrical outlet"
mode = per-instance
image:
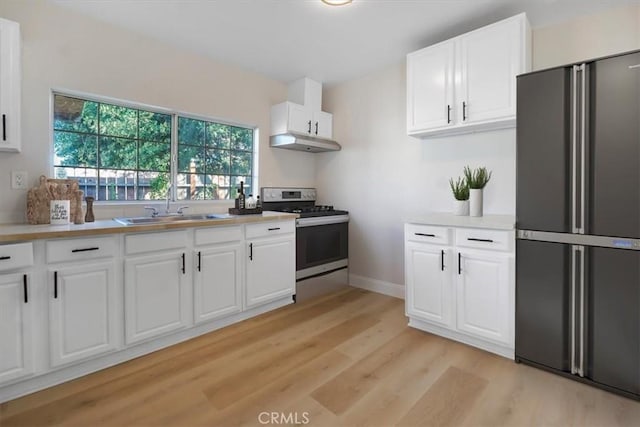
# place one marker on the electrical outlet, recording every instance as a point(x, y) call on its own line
point(19, 180)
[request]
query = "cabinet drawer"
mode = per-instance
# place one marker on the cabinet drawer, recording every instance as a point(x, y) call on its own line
point(16, 256)
point(499, 240)
point(264, 229)
point(79, 249)
point(208, 236)
point(153, 242)
point(427, 234)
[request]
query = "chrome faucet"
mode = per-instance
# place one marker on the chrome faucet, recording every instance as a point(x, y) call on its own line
point(168, 210)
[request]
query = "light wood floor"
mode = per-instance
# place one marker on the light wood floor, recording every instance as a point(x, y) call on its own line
point(345, 359)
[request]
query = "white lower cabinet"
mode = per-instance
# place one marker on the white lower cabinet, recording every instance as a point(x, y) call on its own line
point(271, 262)
point(460, 283)
point(82, 311)
point(217, 282)
point(483, 295)
point(16, 327)
point(429, 285)
point(155, 295)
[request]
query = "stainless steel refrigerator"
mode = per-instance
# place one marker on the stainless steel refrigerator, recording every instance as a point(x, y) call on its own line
point(578, 220)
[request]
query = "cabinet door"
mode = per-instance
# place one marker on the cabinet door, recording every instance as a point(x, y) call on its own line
point(271, 269)
point(429, 289)
point(16, 359)
point(430, 88)
point(155, 295)
point(484, 300)
point(322, 124)
point(489, 60)
point(10, 82)
point(82, 312)
point(299, 119)
point(217, 282)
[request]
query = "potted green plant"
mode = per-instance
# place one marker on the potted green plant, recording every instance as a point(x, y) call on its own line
point(476, 179)
point(460, 191)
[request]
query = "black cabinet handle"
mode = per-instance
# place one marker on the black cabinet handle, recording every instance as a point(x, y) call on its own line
point(86, 249)
point(251, 251)
point(316, 128)
point(4, 127)
point(26, 291)
point(459, 263)
point(425, 234)
point(274, 229)
point(199, 261)
point(309, 126)
point(464, 111)
point(448, 113)
point(55, 284)
point(442, 260)
point(4, 258)
point(184, 267)
point(474, 239)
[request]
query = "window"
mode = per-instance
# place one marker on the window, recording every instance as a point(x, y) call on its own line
point(125, 153)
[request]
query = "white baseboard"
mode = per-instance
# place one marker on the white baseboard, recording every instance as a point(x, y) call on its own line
point(379, 286)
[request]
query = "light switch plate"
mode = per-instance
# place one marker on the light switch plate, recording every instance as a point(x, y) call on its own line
point(19, 180)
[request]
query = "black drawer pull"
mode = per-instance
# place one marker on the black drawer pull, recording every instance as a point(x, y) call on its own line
point(442, 260)
point(4, 258)
point(459, 264)
point(184, 266)
point(425, 234)
point(199, 261)
point(274, 229)
point(473, 239)
point(24, 285)
point(86, 249)
point(4, 127)
point(55, 284)
point(250, 251)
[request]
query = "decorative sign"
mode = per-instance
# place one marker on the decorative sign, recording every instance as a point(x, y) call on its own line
point(60, 212)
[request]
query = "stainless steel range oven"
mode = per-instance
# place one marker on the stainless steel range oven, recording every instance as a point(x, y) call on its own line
point(322, 232)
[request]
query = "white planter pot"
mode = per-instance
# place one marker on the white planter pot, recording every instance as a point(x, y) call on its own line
point(461, 207)
point(475, 202)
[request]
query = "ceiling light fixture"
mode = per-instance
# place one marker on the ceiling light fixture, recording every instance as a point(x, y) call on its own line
point(336, 2)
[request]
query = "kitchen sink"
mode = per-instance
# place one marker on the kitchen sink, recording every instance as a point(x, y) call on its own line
point(162, 219)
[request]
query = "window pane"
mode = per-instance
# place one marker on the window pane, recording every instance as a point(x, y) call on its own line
point(217, 162)
point(74, 114)
point(87, 178)
point(155, 127)
point(241, 139)
point(190, 159)
point(118, 121)
point(117, 153)
point(75, 149)
point(153, 185)
point(240, 163)
point(154, 156)
point(116, 184)
point(194, 187)
point(218, 135)
point(190, 131)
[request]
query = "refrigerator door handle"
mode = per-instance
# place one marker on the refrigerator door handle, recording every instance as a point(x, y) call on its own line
point(582, 311)
point(574, 146)
point(572, 297)
point(583, 143)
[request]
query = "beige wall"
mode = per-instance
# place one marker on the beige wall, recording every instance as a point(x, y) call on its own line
point(64, 50)
point(612, 31)
point(384, 177)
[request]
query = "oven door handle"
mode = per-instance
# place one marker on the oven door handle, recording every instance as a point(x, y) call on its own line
point(321, 220)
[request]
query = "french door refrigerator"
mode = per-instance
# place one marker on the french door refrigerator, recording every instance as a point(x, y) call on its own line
point(578, 220)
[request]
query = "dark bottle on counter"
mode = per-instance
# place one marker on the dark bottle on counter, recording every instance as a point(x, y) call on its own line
point(241, 197)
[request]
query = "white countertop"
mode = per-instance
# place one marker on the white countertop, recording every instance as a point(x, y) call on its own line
point(494, 222)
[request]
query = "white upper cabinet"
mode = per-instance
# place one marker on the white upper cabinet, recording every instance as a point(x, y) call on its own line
point(468, 83)
point(10, 81)
point(302, 113)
